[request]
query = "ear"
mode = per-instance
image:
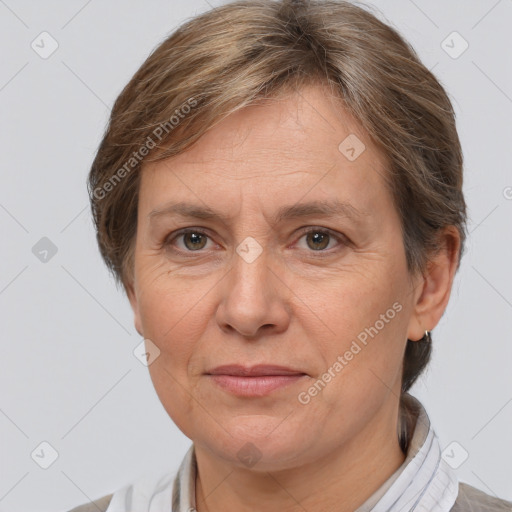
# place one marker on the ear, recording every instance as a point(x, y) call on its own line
point(433, 289)
point(132, 297)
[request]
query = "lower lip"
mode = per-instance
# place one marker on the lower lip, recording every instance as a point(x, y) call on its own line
point(254, 386)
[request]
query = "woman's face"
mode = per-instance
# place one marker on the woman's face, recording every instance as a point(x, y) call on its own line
point(247, 285)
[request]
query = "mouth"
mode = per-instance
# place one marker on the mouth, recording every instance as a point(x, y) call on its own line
point(260, 370)
point(255, 381)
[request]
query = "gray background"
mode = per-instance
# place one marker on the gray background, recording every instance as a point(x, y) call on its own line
point(67, 372)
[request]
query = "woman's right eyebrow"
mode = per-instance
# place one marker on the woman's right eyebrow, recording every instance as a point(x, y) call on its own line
point(183, 209)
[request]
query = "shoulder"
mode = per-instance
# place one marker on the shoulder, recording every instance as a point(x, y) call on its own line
point(153, 488)
point(471, 499)
point(99, 505)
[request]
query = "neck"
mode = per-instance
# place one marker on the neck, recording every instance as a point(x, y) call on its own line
point(342, 481)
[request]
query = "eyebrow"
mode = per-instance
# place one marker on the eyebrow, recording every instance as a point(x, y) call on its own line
point(333, 208)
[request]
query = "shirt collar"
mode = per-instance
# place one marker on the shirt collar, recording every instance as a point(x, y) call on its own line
point(424, 481)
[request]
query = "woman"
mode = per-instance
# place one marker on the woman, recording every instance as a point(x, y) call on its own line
point(279, 191)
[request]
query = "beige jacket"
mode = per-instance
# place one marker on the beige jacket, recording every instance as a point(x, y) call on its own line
point(469, 499)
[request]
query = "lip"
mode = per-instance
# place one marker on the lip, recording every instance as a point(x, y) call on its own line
point(254, 381)
point(259, 370)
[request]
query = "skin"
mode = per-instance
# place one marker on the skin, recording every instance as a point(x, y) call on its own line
point(300, 303)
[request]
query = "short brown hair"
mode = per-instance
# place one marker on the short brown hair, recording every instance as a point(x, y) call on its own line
point(246, 51)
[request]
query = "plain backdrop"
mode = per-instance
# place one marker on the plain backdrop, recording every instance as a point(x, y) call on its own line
point(68, 376)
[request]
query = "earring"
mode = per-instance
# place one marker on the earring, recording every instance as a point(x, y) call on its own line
point(427, 338)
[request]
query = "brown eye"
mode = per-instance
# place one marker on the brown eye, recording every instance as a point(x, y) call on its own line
point(322, 241)
point(194, 240)
point(187, 241)
point(317, 240)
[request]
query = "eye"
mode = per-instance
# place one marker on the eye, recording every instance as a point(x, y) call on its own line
point(319, 239)
point(193, 240)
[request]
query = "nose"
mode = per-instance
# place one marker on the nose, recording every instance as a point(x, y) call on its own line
point(254, 300)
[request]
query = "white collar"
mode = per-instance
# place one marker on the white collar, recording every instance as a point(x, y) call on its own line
point(423, 483)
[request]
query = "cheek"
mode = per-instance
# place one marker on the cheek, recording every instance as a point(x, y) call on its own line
point(354, 298)
point(174, 314)
point(363, 316)
point(174, 318)
point(166, 301)
point(357, 379)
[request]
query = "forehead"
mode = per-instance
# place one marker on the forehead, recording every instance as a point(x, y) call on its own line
point(288, 147)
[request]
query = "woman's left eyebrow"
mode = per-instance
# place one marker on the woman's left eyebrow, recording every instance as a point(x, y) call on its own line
point(332, 208)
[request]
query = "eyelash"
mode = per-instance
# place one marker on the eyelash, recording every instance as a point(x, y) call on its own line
point(167, 243)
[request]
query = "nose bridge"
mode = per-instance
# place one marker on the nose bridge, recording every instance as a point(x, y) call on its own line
point(250, 297)
point(250, 271)
point(251, 256)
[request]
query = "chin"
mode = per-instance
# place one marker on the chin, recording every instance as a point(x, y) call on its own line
point(258, 442)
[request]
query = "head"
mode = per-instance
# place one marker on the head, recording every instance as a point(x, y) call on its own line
point(316, 165)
